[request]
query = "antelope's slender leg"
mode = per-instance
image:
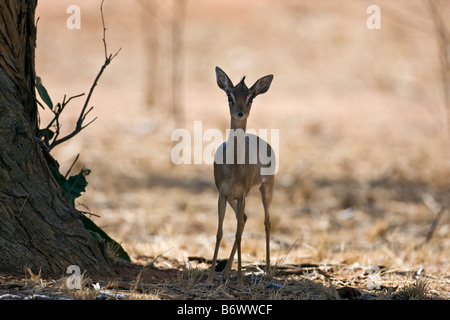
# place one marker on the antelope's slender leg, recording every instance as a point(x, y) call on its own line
point(266, 190)
point(239, 231)
point(226, 271)
point(222, 205)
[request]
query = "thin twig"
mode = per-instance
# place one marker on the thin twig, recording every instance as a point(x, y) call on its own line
point(82, 117)
point(104, 31)
point(73, 163)
point(59, 109)
point(73, 97)
point(435, 223)
point(87, 212)
point(110, 57)
point(436, 208)
point(152, 263)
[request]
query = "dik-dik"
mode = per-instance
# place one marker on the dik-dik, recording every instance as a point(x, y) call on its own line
point(242, 163)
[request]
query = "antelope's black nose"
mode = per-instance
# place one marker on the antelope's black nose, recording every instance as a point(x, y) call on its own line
point(240, 114)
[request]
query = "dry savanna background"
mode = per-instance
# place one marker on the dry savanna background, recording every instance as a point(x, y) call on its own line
point(361, 195)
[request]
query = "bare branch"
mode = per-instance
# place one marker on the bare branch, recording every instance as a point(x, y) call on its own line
point(73, 97)
point(59, 109)
point(73, 163)
point(89, 123)
point(435, 223)
point(82, 117)
point(110, 57)
point(104, 31)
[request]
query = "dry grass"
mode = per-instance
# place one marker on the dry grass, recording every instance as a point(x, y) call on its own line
point(291, 282)
point(417, 290)
point(362, 144)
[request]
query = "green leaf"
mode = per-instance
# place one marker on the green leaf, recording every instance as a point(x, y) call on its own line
point(73, 188)
point(75, 185)
point(43, 93)
point(101, 235)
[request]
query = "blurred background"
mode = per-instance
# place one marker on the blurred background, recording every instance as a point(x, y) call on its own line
point(362, 118)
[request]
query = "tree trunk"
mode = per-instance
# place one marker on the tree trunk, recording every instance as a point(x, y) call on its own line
point(38, 227)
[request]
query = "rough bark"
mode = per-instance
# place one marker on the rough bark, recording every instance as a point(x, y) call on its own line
point(38, 227)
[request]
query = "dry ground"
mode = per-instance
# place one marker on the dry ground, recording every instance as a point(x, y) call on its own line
point(363, 148)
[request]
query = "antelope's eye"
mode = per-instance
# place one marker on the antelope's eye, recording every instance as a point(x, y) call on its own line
point(250, 100)
point(230, 99)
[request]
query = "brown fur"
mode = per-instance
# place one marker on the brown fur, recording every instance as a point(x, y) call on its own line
point(235, 180)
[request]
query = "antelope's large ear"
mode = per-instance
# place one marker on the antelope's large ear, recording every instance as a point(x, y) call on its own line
point(223, 81)
point(262, 85)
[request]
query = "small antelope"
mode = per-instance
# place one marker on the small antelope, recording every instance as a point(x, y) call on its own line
point(239, 166)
